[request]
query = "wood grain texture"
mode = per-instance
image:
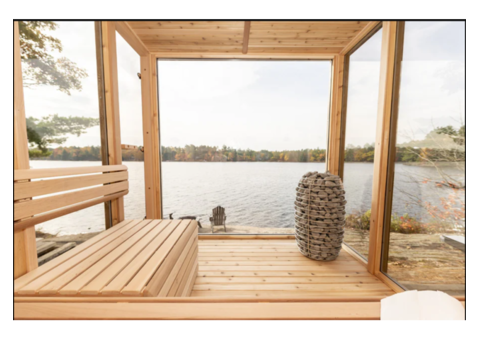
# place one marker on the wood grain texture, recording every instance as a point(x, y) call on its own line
point(364, 32)
point(128, 299)
point(127, 33)
point(151, 137)
point(63, 274)
point(252, 55)
point(129, 256)
point(238, 39)
point(157, 282)
point(57, 197)
point(115, 286)
point(274, 268)
point(26, 174)
point(335, 133)
point(41, 205)
point(24, 244)
point(380, 166)
point(20, 225)
point(29, 277)
point(47, 187)
point(173, 280)
point(246, 37)
point(110, 77)
point(138, 283)
point(197, 311)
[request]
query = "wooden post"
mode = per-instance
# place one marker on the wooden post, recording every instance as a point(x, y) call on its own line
point(384, 119)
point(127, 33)
point(393, 145)
point(102, 113)
point(110, 77)
point(336, 111)
point(24, 244)
point(151, 137)
point(246, 36)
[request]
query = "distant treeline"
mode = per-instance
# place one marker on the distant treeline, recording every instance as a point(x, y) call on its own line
point(202, 153)
point(87, 153)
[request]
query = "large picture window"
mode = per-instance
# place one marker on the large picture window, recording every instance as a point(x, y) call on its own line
point(424, 247)
point(361, 121)
point(240, 135)
point(61, 104)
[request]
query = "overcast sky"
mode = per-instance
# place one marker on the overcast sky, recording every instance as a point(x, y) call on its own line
point(263, 104)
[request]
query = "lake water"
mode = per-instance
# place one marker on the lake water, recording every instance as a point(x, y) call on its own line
point(253, 194)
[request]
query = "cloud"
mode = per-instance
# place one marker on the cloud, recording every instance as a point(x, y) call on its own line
point(204, 79)
point(274, 105)
point(270, 101)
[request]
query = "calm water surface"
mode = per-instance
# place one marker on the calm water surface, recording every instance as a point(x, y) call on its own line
point(253, 194)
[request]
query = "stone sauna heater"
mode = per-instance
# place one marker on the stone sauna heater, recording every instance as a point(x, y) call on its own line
point(320, 215)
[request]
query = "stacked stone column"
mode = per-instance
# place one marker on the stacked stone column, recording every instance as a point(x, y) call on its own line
point(320, 216)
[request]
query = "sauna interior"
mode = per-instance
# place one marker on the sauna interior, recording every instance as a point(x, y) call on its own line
point(154, 267)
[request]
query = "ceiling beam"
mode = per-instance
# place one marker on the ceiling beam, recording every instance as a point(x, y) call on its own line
point(237, 55)
point(127, 33)
point(364, 32)
point(246, 37)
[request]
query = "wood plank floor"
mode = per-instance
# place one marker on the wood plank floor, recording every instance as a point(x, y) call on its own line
point(275, 269)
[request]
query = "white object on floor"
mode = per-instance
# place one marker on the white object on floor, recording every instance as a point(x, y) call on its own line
point(423, 305)
point(455, 241)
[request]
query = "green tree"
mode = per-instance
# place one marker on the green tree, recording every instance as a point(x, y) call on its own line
point(40, 67)
point(446, 130)
point(65, 155)
point(53, 129)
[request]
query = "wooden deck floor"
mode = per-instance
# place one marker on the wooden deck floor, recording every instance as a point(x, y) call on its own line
point(276, 269)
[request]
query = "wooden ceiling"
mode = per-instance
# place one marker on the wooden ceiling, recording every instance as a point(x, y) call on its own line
point(247, 37)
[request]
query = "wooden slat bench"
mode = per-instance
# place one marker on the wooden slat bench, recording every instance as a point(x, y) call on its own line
point(133, 258)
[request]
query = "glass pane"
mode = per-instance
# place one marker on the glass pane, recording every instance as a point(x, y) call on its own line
point(61, 104)
point(131, 127)
point(427, 225)
point(362, 107)
point(240, 134)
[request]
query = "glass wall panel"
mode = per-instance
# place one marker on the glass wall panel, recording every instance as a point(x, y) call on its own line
point(361, 122)
point(240, 134)
point(427, 223)
point(61, 104)
point(131, 127)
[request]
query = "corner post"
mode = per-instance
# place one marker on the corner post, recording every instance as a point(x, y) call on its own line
point(110, 77)
point(151, 137)
point(383, 137)
point(334, 151)
point(24, 244)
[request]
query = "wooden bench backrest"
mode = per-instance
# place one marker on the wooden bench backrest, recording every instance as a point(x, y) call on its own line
point(98, 183)
point(218, 215)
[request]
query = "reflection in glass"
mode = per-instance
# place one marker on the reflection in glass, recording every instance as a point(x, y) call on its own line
point(61, 103)
point(362, 107)
point(427, 222)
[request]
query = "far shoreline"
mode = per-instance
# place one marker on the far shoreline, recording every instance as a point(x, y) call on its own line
point(422, 164)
